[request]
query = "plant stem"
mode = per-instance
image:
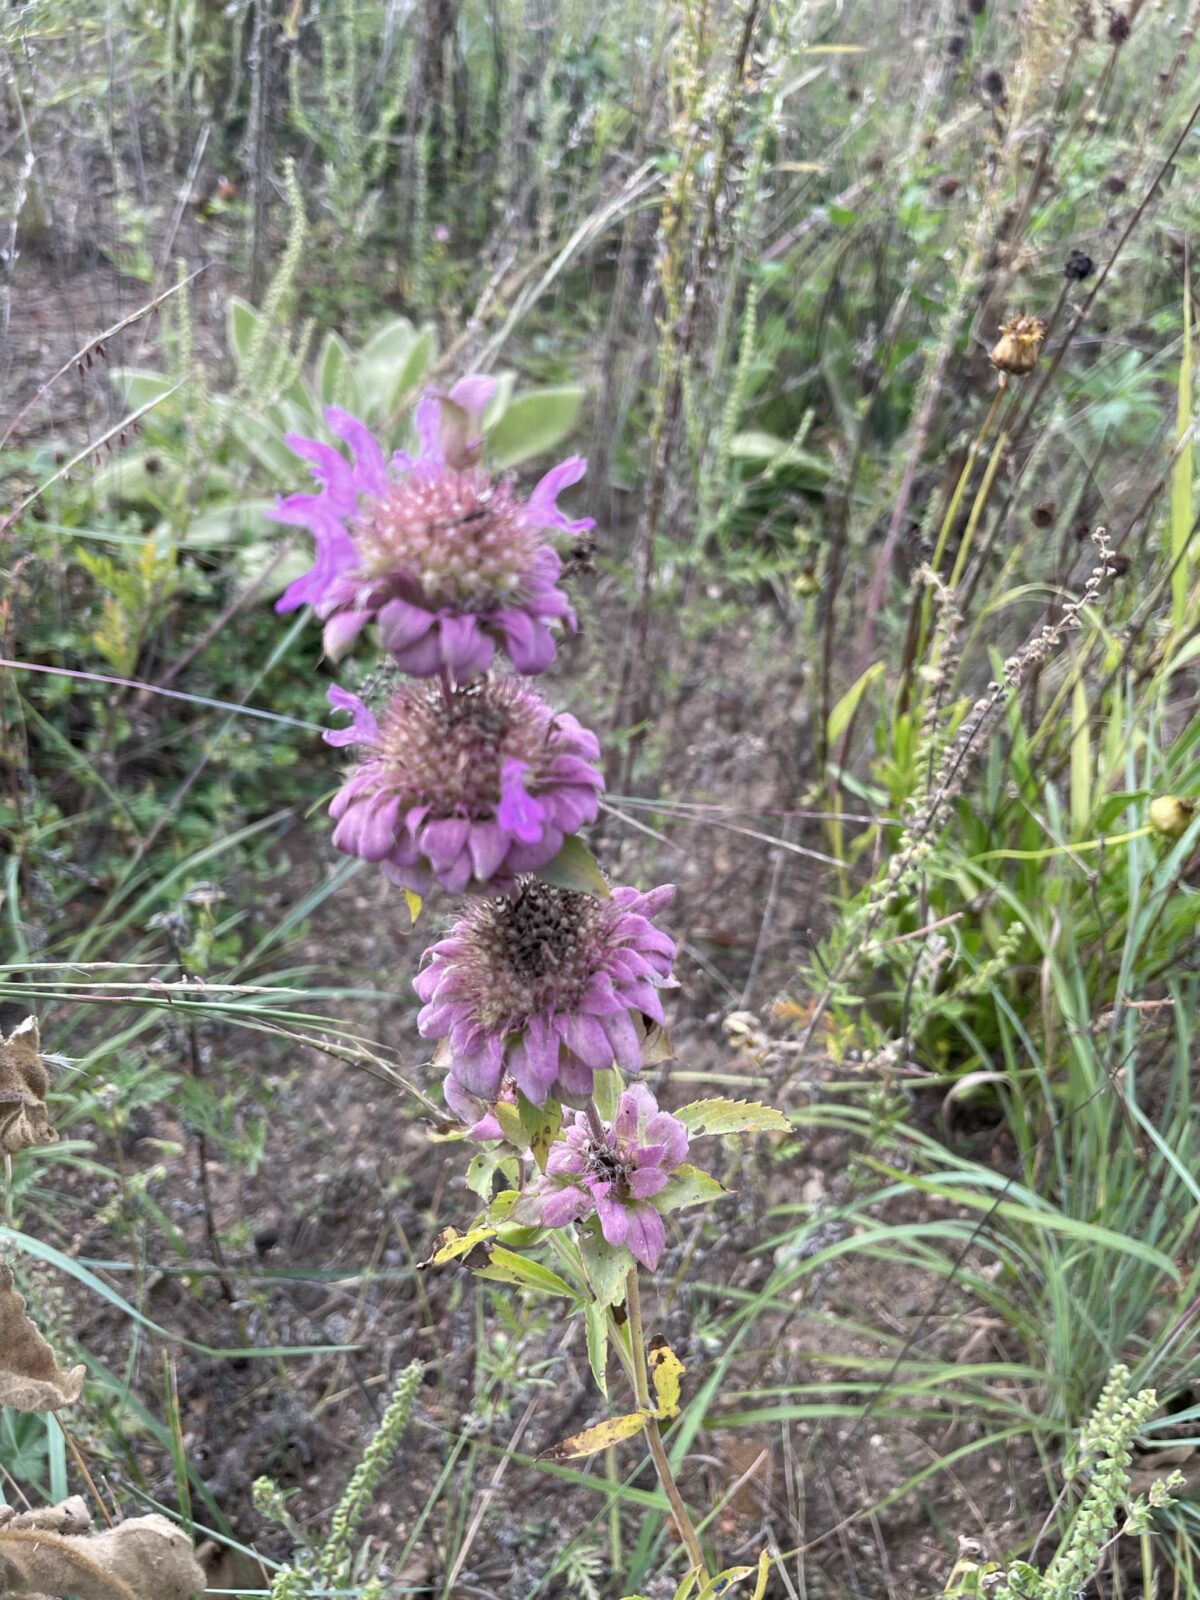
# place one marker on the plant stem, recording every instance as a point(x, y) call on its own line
point(662, 1465)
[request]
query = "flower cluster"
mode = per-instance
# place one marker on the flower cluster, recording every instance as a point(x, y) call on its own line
point(616, 1172)
point(548, 986)
point(472, 781)
point(468, 787)
point(451, 563)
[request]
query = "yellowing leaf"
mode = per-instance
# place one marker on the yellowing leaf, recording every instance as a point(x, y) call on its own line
point(593, 1440)
point(450, 1245)
point(731, 1116)
point(666, 1371)
point(414, 902)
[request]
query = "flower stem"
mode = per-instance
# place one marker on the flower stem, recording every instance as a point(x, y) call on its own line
point(658, 1453)
point(594, 1123)
point(447, 686)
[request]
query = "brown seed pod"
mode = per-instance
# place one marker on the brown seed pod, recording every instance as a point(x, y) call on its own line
point(1043, 514)
point(947, 186)
point(1016, 350)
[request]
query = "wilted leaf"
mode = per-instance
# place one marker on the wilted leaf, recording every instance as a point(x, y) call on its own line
point(30, 1377)
point(24, 1082)
point(688, 1186)
point(666, 1372)
point(540, 1124)
point(146, 1558)
point(575, 867)
point(720, 1117)
point(450, 1245)
point(592, 1440)
point(656, 1046)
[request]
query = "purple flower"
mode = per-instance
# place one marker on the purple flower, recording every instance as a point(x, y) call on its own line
point(615, 1175)
point(547, 985)
point(451, 563)
point(470, 787)
point(480, 1117)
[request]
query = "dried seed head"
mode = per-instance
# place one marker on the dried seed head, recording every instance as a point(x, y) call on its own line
point(1119, 27)
point(1079, 266)
point(1016, 351)
point(993, 84)
point(1043, 514)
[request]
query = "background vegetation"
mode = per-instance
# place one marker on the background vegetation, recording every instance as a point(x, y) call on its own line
point(894, 661)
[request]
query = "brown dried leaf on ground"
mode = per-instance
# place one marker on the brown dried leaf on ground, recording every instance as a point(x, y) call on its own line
point(30, 1377)
point(146, 1558)
point(24, 1082)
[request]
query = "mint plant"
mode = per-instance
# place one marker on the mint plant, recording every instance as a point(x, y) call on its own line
point(545, 996)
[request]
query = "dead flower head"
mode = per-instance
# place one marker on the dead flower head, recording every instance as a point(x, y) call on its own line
point(24, 1082)
point(1016, 350)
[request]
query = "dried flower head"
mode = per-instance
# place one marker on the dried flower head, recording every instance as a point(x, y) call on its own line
point(1016, 351)
point(547, 985)
point(616, 1172)
point(449, 561)
point(1119, 26)
point(24, 1084)
point(472, 785)
point(1043, 514)
point(1079, 266)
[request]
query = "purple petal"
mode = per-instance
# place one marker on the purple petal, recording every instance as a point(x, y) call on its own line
point(363, 729)
point(369, 460)
point(466, 649)
point(625, 1040)
point(646, 1236)
point(402, 625)
point(488, 844)
point(480, 1073)
point(519, 813)
point(585, 1037)
point(646, 1181)
point(564, 1206)
point(534, 1062)
point(444, 841)
point(530, 643)
point(543, 507)
point(340, 632)
point(670, 1133)
point(330, 468)
point(614, 1220)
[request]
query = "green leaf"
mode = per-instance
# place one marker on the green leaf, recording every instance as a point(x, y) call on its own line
point(534, 423)
point(335, 373)
point(138, 387)
point(842, 714)
point(540, 1125)
point(241, 320)
point(482, 1169)
point(506, 1266)
point(720, 1117)
point(688, 1186)
point(412, 370)
point(607, 1085)
point(575, 867)
point(607, 1266)
point(595, 1320)
point(450, 1244)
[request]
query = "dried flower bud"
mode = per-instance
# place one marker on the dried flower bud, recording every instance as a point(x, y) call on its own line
point(1171, 816)
point(1119, 27)
point(1079, 266)
point(1116, 565)
point(947, 186)
point(993, 84)
point(1016, 351)
point(1043, 514)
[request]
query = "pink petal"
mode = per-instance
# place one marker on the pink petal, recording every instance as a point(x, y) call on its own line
point(564, 1206)
point(363, 729)
point(543, 507)
point(369, 459)
point(646, 1236)
point(519, 813)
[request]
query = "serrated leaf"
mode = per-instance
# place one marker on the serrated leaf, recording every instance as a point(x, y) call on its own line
point(533, 423)
point(688, 1186)
point(592, 1440)
point(607, 1266)
point(506, 1266)
point(719, 1117)
point(666, 1374)
point(596, 1323)
point(414, 902)
point(575, 867)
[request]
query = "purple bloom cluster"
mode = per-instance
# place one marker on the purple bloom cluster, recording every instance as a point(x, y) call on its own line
point(615, 1172)
point(468, 787)
point(474, 782)
point(451, 563)
point(547, 986)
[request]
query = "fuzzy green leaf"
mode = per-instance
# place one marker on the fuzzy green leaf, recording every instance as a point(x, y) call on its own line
point(688, 1186)
point(506, 1266)
point(606, 1265)
point(535, 422)
point(575, 867)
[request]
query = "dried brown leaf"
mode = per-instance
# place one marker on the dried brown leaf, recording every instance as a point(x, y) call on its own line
point(30, 1377)
point(146, 1558)
point(24, 1082)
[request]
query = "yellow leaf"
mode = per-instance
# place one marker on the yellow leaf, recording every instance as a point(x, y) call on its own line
point(592, 1440)
point(450, 1245)
point(414, 903)
point(666, 1370)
